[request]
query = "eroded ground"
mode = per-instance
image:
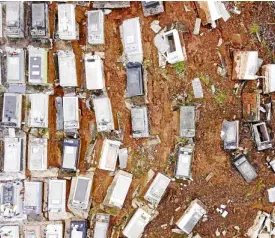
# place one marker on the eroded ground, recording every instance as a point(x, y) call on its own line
point(164, 87)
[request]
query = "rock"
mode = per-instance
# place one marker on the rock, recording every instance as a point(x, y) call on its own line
point(217, 233)
point(209, 176)
point(155, 26)
point(237, 228)
point(177, 231)
point(224, 214)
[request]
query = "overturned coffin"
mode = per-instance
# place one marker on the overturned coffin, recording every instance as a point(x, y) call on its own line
point(12, 110)
point(38, 106)
point(15, 66)
point(151, 8)
point(14, 157)
point(245, 65)
point(187, 121)
point(67, 68)
point(38, 65)
point(95, 27)
point(37, 154)
point(157, 189)
point(191, 216)
point(70, 155)
point(184, 162)
point(131, 39)
point(78, 229)
point(67, 27)
point(136, 225)
point(33, 198)
point(261, 136)
point(103, 114)
point(11, 201)
point(109, 154)
point(251, 106)
point(15, 21)
point(39, 27)
point(57, 196)
point(245, 168)
point(94, 72)
point(80, 195)
point(134, 79)
point(117, 191)
point(70, 113)
point(269, 78)
point(102, 222)
point(230, 135)
point(140, 124)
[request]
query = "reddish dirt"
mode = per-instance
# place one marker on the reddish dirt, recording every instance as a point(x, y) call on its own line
point(164, 122)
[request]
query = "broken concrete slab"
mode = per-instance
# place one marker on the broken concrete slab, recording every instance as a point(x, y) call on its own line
point(151, 8)
point(245, 65)
point(155, 26)
point(197, 88)
point(261, 222)
point(161, 44)
point(230, 134)
point(251, 106)
point(111, 4)
point(271, 194)
point(197, 26)
point(49, 173)
point(123, 157)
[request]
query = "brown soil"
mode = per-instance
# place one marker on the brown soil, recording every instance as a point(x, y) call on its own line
point(163, 87)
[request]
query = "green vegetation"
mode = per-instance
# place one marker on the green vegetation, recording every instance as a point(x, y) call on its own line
point(221, 98)
point(179, 236)
point(112, 211)
point(205, 78)
point(189, 98)
point(147, 63)
point(269, 51)
point(179, 67)
point(181, 140)
point(44, 132)
point(93, 211)
point(140, 164)
point(28, 106)
point(255, 28)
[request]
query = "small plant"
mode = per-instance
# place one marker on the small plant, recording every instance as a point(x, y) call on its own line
point(255, 29)
point(147, 63)
point(181, 140)
point(179, 67)
point(189, 99)
point(112, 210)
point(28, 106)
point(221, 98)
point(205, 78)
point(43, 132)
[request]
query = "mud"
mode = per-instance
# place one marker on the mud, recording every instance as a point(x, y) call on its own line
point(163, 86)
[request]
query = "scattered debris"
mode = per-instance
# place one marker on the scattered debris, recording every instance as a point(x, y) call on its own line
point(151, 8)
point(123, 157)
point(261, 226)
point(230, 134)
point(245, 168)
point(197, 88)
point(155, 26)
point(209, 176)
point(271, 194)
point(197, 26)
point(261, 136)
point(191, 216)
